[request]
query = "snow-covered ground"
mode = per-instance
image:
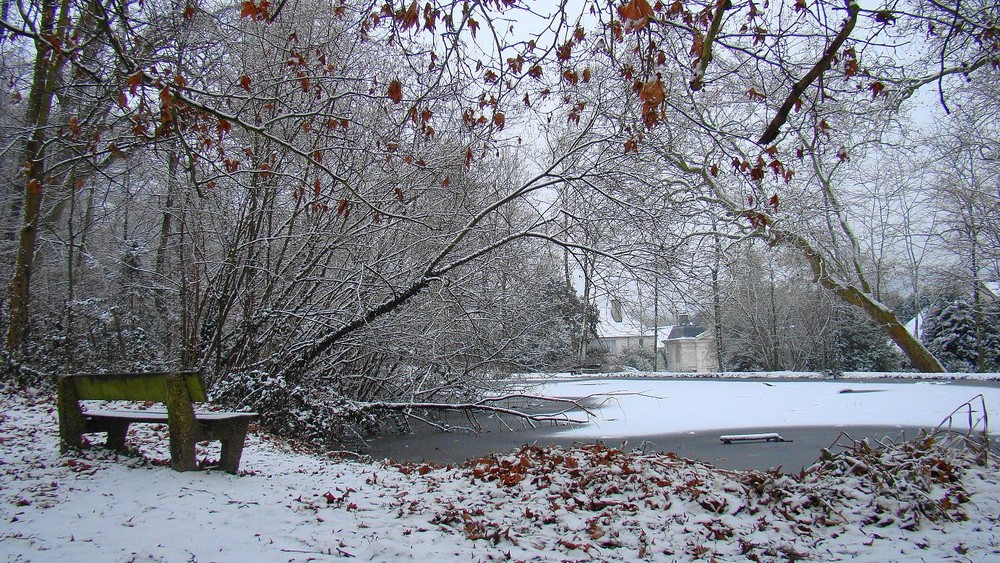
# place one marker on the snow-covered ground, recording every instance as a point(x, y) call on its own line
point(914, 502)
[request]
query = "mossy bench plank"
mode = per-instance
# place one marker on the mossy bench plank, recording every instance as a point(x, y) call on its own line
point(178, 391)
point(135, 386)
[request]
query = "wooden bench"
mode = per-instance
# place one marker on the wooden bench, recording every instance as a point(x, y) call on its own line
point(178, 391)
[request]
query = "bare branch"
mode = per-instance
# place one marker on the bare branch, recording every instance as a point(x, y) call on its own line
point(771, 133)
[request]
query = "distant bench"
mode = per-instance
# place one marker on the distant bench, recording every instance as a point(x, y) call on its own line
point(178, 391)
point(766, 437)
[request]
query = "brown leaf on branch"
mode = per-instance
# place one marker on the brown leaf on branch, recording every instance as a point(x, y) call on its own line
point(223, 126)
point(516, 64)
point(256, 12)
point(430, 17)
point(617, 32)
point(697, 45)
point(249, 10)
point(134, 81)
point(636, 14)
point(395, 91)
point(565, 51)
point(851, 67)
point(652, 93)
point(885, 17)
point(408, 18)
point(652, 96)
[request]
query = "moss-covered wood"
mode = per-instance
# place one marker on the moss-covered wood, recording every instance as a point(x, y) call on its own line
point(183, 427)
point(177, 391)
point(135, 386)
point(71, 422)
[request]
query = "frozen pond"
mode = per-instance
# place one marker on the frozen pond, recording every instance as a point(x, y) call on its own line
point(688, 416)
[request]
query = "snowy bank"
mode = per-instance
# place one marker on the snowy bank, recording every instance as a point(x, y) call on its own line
point(913, 502)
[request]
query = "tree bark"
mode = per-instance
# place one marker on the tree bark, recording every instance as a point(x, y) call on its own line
point(48, 62)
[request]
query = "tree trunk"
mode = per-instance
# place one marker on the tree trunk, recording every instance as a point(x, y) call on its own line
point(918, 354)
point(585, 328)
point(717, 301)
point(166, 232)
point(46, 70)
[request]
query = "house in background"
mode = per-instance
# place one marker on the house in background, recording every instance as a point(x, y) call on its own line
point(685, 346)
point(690, 348)
point(617, 331)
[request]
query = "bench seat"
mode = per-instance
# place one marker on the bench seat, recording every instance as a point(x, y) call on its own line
point(153, 416)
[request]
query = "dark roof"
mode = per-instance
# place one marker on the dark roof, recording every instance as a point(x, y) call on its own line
point(685, 331)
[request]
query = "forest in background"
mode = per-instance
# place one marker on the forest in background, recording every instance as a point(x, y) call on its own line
point(339, 209)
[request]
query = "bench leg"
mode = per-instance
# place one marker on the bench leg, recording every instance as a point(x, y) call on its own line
point(69, 438)
point(182, 451)
point(232, 449)
point(116, 435)
point(71, 422)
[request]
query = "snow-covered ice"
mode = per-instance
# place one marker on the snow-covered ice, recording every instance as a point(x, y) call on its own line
point(637, 407)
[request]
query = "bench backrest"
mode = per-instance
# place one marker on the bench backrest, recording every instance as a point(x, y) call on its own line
point(134, 386)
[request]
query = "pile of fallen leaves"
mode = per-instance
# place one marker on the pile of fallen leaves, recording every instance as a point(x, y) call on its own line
point(603, 502)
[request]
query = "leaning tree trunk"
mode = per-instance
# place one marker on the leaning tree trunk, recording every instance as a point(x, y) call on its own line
point(919, 356)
